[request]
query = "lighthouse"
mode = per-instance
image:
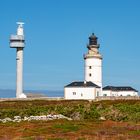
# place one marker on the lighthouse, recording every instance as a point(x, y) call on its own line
point(91, 87)
point(93, 62)
point(17, 41)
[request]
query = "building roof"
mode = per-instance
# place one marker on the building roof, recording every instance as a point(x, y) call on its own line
point(82, 84)
point(123, 88)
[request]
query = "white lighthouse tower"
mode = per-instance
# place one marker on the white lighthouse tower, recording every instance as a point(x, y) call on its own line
point(93, 62)
point(17, 41)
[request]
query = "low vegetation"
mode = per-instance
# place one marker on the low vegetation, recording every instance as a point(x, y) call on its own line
point(70, 130)
point(108, 120)
point(119, 110)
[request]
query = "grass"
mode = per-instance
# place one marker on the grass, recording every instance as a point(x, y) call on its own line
point(67, 127)
point(67, 130)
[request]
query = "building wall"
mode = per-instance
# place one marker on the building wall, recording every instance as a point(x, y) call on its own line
point(127, 93)
point(119, 93)
point(81, 92)
point(93, 70)
point(106, 93)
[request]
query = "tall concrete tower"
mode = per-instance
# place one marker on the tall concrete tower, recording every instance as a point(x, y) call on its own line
point(93, 62)
point(17, 41)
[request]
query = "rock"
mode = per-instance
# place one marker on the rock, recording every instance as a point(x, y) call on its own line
point(17, 120)
point(17, 117)
point(60, 116)
point(102, 118)
point(43, 118)
point(26, 118)
point(8, 119)
point(50, 117)
point(4, 121)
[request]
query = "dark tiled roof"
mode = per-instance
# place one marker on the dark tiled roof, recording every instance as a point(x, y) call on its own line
point(113, 88)
point(82, 84)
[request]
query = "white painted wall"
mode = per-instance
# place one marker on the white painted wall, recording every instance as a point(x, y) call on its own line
point(96, 70)
point(106, 93)
point(127, 93)
point(81, 92)
point(119, 93)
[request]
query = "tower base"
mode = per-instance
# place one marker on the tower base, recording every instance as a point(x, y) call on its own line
point(22, 95)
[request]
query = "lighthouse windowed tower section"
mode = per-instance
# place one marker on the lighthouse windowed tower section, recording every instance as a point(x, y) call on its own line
point(90, 74)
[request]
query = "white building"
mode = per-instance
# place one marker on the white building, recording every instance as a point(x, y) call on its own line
point(92, 85)
point(119, 91)
point(81, 90)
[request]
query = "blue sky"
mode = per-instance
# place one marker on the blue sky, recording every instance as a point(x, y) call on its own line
point(57, 32)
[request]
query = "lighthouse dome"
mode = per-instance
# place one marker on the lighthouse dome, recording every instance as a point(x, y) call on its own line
point(93, 39)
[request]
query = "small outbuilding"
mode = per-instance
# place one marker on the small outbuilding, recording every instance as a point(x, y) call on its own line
point(119, 91)
point(81, 90)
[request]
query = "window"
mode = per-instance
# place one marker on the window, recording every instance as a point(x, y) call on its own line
point(90, 67)
point(97, 93)
point(81, 94)
point(90, 75)
point(74, 93)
